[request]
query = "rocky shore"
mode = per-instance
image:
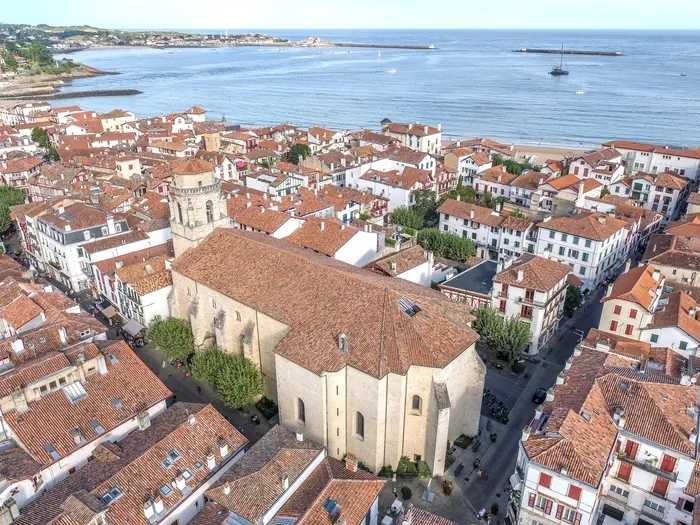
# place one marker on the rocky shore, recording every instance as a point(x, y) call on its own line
point(45, 86)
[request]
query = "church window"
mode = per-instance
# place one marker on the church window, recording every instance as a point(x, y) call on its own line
point(301, 411)
point(360, 425)
point(416, 404)
point(179, 212)
point(210, 211)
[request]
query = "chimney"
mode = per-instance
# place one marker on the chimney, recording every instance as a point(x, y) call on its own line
point(191, 420)
point(262, 209)
point(300, 437)
point(63, 334)
point(425, 129)
point(323, 225)
point(110, 224)
point(627, 265)
point(77, 438)
point(619, 417)
point(158, 504)
point(18, 346)
point(471, 213)
point(180, 482)
point(211, 461)
point(393, 267)
point(143, 419)
point(656, 275)
point(351, 462)
point(19, 399)
point(223, 448)
point(431, 258)
point(521, 274)
point(227, 488)
point(601, 219)
point(285, 480)
point(609, 290)
point(61, 210)
point(248, 204)
point(526, 434)
point(693, 436)
point(148, 510)
point(499, 177)
point(439, 126)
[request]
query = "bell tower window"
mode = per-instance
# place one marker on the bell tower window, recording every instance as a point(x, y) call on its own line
point(210, 211)
point(179, 212)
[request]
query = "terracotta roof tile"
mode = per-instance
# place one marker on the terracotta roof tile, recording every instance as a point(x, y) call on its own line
point(20, 311)
point(325, 236)
point(463, 210)
point(112, 241)
point(402, 261)
point(381, 336)
point(673, 250)
point(191, 166)
point(539, 274)
point(680, 310)
point(262, 218)
point(589, 225)
point(637, 285)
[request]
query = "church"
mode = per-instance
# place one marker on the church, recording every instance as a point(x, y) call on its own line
point(365, 364)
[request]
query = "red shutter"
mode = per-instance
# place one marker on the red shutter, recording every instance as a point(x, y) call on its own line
point(624, 471)
point(631, 448)
point(531, 500)
point(660, 487)
point(545, 480)
point(679, 503)
point(574, 492)
point(617, 310)
point(628, 329)
point(560, 511)
point(548, 507)
point(617, 446)
point(668, 463)
point(633, 313)
point(577, 519)
point(613, 326)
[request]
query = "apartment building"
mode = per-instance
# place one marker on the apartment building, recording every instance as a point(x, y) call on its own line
point(17, 172)
point(532, 289)
point(419, 137)
point(286, 477)
point(675, 324)
point(651, 158)
point(627, 419)
point(676, 256)
point(592, 244)
point(494, 234)
point(664, 192)
point(631, 301)
point(467, 164)
point(604, 165)
point(157, 474)
point(397, 187)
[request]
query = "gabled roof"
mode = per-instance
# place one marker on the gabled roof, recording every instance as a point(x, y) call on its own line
point(673, 250)
point(651, 148)
point(328, 298)
point(539, 274)
point(679, 310)
point(464, 210)
point(399, 262)
point(322, 235)
point(637, 286)
point(589, 225)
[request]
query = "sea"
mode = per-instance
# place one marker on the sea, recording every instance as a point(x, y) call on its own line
point(473, 83)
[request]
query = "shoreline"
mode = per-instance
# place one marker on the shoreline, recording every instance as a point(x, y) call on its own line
point(46, 86)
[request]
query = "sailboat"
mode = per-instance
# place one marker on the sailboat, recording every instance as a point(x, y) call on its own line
point(580, 91)
point(559, 71)
point(379, 55)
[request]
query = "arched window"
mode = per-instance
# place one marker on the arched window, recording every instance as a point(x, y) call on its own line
point(179, 212)
point(360, 425)
point(416, 404)
point(238, 316)
point(210, 211)
point(301, 411)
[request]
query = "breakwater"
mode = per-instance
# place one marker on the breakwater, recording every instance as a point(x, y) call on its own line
point(72, 94)
point(568, 52)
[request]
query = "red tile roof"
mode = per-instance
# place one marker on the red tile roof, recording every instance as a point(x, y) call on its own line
point(381, 336)
point(651, 148)
point(20, 311)
point(539, 274)
point(589, 225)
point(191, 166)
point(637, 286)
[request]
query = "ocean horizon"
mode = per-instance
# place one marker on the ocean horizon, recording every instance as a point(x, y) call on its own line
point(473, 83)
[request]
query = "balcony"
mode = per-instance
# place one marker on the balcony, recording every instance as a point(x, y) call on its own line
point(653, 513)
point(648, 466)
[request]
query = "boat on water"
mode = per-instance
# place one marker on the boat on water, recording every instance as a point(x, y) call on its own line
point(684, 74)
point(559, 70)
point(379, 55)
point(392, 71)
point(431, 46)
point(579, 92)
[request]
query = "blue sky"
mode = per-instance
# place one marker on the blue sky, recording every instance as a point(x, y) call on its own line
point(303, 14)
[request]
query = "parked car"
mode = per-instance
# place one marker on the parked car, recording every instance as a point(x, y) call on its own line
point(540, 396)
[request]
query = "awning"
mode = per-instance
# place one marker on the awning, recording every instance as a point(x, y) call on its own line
point(108, 311)
point(515, 481)
point(132, 327)
point(612, 512)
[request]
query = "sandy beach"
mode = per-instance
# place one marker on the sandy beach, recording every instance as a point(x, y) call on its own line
point(545, 153)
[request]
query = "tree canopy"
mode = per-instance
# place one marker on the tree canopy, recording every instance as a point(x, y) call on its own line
point(447, 245)
point(237, 379)
point(508, 335)
point(298, 152)
point(573, 299)
point(8, 197)
point(511, 166)
point(173, 336)
point(41, 137)
point(407, 217)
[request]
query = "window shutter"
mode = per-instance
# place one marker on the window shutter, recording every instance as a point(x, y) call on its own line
point(668, 463)
point(574, 492)
point(548, 507)
point(577, 518)
point(679, 503)
point(660, 487)
point(545, 480)
point(560, 511)
point(631, 448)
point(531, 500)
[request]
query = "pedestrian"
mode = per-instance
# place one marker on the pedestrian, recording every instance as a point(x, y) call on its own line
point(163, 363)
point(478, 472)
point(199, 389)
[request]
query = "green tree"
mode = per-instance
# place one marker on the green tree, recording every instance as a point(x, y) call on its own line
point(407, 217)
point(444, 244)
point(41, 137)
point(8, 197)
point(604, 192)
point(488, 324)
point(298, 152)
point(237, 379)
point(513, 337)
point(573, 299)
point(460, 186)
point(10, 62)
point(173, 336)
point(53, 155)
point(425, 205)
point(517, 214)
point(239, 382)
